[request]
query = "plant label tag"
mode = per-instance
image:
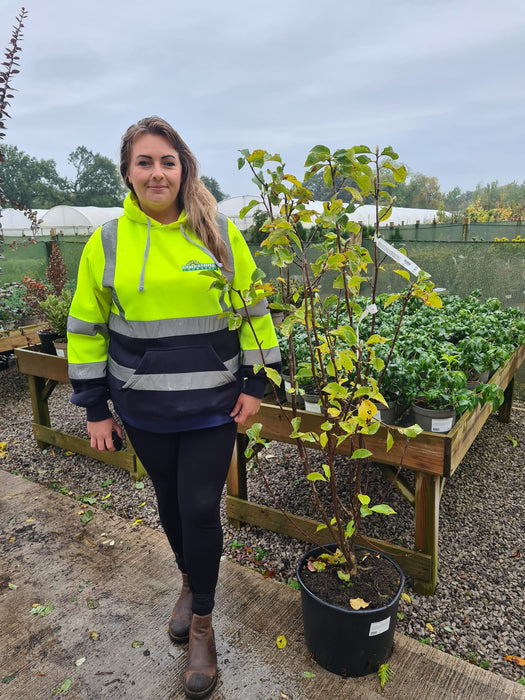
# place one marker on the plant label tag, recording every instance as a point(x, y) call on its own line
point(379, 627)
point(397, 256)
point(442, 425)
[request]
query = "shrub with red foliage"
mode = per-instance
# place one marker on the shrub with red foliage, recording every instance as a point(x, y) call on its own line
point(56, 270)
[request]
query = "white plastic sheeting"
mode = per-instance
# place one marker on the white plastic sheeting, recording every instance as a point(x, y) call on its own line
point(62, 218)
point(366, 214)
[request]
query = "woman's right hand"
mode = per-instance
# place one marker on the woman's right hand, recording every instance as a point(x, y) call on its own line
point(100, 433)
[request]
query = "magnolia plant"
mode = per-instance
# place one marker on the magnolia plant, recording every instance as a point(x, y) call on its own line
point(322, 271)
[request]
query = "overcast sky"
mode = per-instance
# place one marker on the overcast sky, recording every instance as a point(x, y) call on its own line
point(442, 81)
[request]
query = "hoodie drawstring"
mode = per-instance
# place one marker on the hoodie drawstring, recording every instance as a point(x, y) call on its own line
point(146, 253)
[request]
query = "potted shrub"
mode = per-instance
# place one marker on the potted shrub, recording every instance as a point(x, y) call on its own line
point(56, 311)
point(339, 341)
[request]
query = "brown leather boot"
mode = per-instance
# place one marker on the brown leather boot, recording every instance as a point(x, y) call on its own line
point(201, 674)
point(180, 620)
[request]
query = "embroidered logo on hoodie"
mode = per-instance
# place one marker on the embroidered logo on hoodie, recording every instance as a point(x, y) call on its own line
point(196, 265)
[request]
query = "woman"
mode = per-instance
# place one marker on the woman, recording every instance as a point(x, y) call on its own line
point(145, 330)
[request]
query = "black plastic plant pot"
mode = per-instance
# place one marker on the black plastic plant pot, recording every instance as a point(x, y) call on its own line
point(344, 641)
point(46, 341)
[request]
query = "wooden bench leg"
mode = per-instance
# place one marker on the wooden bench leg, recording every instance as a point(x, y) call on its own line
point(37, 386)
point(236, 483)
point(506, 407)
point(427, 526)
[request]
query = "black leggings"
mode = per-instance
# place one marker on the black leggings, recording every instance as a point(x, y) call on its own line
point(188, 471)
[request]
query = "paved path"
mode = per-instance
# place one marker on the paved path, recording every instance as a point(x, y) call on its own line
point(119, 581)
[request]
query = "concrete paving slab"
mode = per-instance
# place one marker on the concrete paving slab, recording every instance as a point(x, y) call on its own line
point(112, 586)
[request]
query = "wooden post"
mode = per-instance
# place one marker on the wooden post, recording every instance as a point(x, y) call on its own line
point(506, 407)
point(427, 526)
point(236, 483)
point(466, 226)
point(40, 406)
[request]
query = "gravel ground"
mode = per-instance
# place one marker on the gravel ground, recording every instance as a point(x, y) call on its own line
point(478, 608)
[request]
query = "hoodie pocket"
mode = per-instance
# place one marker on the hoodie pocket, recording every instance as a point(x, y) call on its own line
point(180, 369)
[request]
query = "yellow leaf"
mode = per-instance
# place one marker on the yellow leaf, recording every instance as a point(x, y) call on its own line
point(367, 410)
point(68, 453)
point(95, 636)
point(105, 497)
point(429, 627)
point(281, 641)
point(142, 504)
point(406, 598)
point(515, 660)
point(136, 521)
point(358, 603)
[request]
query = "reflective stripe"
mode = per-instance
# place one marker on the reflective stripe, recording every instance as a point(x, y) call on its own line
point(222, 223)
point(253, 357)
point(259, 309)
point(183, 381)
point(87, 370)
point(76, 325)
point(108, 237)
point(165, 328)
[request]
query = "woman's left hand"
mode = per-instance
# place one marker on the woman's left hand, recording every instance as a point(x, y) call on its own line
point(245, 407)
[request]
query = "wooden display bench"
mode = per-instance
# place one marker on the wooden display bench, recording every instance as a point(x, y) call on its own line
point(433, 457)
point(21, 337)
point(44, 372)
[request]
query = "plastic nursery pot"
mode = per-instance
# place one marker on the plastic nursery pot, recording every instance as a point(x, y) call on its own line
point(344, 641)
point(434, 420)
point(311, 403)
point(46, 341)
point(387, 415)
point(61, 347)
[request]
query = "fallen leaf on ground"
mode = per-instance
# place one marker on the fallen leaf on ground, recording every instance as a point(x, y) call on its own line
point(358, 603)
point(429, 627)
point(95, 636)
point(406, 598)
point(136, 645)
point(515, 660)
point(66, 685)
point(281, 641)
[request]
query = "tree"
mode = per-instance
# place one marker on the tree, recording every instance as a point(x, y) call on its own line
point(32, 181)
point(213, 186)
point(420, 192)
point(97, 182)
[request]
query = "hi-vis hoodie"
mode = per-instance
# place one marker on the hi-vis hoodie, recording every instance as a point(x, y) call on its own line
point(144, 326)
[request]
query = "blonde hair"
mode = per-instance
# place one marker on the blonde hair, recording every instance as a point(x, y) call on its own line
point(200, 205)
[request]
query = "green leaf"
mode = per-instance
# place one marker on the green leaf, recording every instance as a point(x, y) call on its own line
point(326, 470)
point(139, 485)
point(136, 645)
point(274, 375)
point(384, 509)
point(403, 273)
point(308, 674)
point(87, 516)
point(66, 685)
point(315, 476)
point(361, 454)
point(389, 441)
point(316, 155)
point(411, 432)
point(342, 576)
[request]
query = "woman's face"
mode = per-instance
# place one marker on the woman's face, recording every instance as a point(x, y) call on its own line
point(155, 173)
